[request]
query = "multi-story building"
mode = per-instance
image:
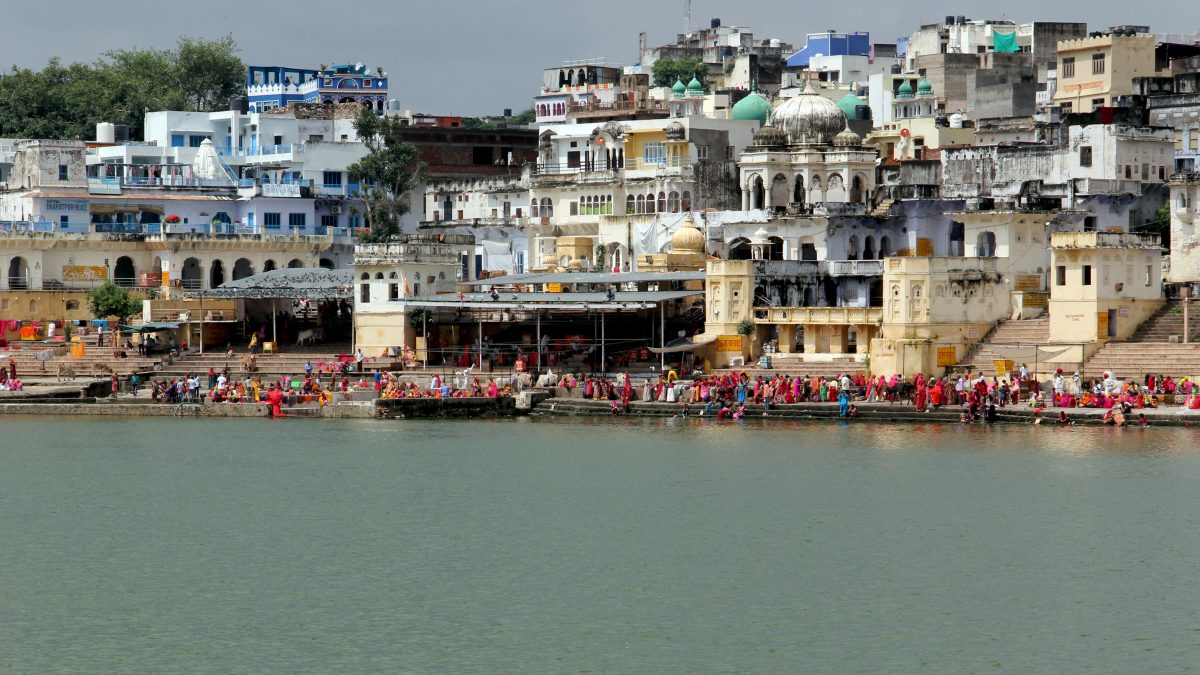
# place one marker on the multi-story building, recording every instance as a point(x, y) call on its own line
point(1099, 70)
point(627, 185)
point(842, 58)
point(270, 87)
point(735, 60)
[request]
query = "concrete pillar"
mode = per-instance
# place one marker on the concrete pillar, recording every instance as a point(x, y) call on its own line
point(787, 338)
point(865, 333)
point(839, 339)
point(812, 338)
point(745, 200)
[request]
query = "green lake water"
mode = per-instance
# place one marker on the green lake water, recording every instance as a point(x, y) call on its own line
point(595, 546)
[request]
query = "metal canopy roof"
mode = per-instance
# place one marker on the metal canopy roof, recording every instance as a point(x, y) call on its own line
point(286, 284)
point(562, 301)
point(589, 278)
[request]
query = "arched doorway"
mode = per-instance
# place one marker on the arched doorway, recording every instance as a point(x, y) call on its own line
point(326, 264)
point(869, 248)
point(18, 274)
point(269, 266)
point(758, 193)
point(191, 274)
point(242, 269)
point(775, 252)
point(856, 190)
point(739, 249)
point(216, 275)
point(779, 191)
point(124, 273)
point(798, 191)
point(885, 247)
point(985, 245)
point(295, 263)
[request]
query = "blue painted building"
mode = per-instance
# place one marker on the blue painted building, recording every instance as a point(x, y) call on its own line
point(269, 87)
point(831, 44)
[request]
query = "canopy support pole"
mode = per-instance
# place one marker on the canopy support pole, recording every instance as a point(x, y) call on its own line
point(274, 332)
point(481, 344)
point(603, 360)
point(201, 323)
point(662, 336)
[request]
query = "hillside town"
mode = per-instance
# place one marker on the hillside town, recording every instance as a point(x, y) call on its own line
point(976, 197)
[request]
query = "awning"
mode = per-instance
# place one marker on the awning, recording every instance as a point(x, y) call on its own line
point(685, 344)
point(151, 327)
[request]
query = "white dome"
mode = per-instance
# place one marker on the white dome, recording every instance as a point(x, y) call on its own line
point(809, 118)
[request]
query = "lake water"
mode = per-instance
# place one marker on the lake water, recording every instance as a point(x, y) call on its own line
point(169, 545)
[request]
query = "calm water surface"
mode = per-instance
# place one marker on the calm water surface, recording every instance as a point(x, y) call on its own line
point(596, 546)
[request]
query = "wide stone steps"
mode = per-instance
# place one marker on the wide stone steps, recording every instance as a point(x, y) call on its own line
point(1167, 324)
point(1135, 359)
point(1013, 340)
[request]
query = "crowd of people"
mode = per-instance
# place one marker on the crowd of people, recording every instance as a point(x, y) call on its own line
point(8, 377)
point(733, 395)
point(390, 386)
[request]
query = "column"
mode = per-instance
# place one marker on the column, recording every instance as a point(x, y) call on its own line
point(787, 338)
point(865, 333)
point(839, 339)
point(745, 200)
point(813, 335)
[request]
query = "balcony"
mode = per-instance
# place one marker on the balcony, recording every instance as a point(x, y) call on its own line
point(828, 316)
point(337, 190)
point(27, 227)
point(625, 109)
point(790, 269)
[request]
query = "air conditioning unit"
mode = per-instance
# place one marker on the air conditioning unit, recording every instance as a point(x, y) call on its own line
point(335, 209)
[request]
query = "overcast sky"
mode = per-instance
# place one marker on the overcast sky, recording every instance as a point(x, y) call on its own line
point(481, 56)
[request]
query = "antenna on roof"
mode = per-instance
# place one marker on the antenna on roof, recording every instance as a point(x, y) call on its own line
point(687, 16)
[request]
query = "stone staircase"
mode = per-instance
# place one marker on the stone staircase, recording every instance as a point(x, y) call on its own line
point(1168, 323)
point(794, 364)
point(883, 209)
point(29, 368)
point(1150, 349)
point(1014, 340)
point(270, 366)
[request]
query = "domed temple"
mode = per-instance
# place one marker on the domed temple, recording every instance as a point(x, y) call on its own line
point(806, 157)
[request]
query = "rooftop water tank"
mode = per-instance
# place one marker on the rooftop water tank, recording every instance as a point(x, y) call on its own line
point(393, 104)
point(956, 121)
point(106, 132)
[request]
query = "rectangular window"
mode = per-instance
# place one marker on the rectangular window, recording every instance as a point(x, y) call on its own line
point(176, 140)
point(64, 222)
point(574, 208)
point(393, 291)
point(1068, 67)
point(296, 220)
point(702, 152)
point(332, 177)
point(1060, 275)
point(278, 140)
point(1149, 274)
point(1087, 275)
point(1097, 64)
point(63, 172)
point(195, 140)
point(520, 264)
point(329, 221)
point(482, 155)
point(316, 138)
point(573, 159)
point(364, 294)
point(656, 153)
point(1097, 103)
point(271, 221)
point(1085, 155)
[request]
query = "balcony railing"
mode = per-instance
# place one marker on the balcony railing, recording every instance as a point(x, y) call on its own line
point(833, 268)
point(27, 227)
point(337, 190)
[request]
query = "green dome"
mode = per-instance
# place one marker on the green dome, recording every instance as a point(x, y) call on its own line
point(753, 107)
point(905, 91)
point(678, 89)
point(694, 87)
point(924, 88)
point(849, 105)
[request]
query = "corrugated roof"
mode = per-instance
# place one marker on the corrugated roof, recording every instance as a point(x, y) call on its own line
point(589, 278)
point(285, 284)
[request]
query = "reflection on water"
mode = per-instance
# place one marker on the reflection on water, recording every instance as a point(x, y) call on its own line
point(595, 545)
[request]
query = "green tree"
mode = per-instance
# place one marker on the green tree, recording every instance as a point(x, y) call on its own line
point(66, 101)
point(669, 71)
point(110, 299)
point(389, 171)
point(209, 73)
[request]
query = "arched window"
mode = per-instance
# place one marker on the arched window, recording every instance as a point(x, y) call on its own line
point(869, 248)
point(687, 200)
point(533, 208)
point(630, 205)
point(758, 193)
point(547, 208)
point(650, 203)
point(885, 247)
point(673, 202)
point(856, 190)
point(641, 204)
point(852, 248)
point(662, 202)
point(798, 191)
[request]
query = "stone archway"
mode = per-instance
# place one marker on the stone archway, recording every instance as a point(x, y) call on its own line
point(242, 269)
point(18, 274)
point(124, 272)
point(191, 274)
point(216, 275)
